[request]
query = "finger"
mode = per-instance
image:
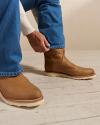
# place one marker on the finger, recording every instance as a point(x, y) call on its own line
point(44, 47)
point(46, 43)
point(39, 50)
point(45, 40)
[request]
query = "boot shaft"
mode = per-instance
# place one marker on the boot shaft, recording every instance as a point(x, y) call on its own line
point(52, 58)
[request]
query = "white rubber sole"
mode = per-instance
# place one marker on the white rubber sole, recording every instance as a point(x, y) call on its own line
point(51, 74)
point(25, 103)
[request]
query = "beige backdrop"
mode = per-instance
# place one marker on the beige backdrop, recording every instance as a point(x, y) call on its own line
point(81, 24)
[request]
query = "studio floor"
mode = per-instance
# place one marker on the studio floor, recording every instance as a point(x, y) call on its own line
point(67, 101)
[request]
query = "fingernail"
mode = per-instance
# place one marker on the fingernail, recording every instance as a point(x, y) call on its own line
point(48, 44)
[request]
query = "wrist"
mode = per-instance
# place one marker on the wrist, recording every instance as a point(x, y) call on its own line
point(31, 33)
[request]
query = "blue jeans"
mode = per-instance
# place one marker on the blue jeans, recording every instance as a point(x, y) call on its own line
point(49, 23)
point(49, 20)
point(10, 52)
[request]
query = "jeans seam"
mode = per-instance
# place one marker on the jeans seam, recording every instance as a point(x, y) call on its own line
point(11, 73)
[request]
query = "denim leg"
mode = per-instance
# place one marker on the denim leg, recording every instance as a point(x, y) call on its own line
point(10, 51)
point(29, 4)
point(50, 22)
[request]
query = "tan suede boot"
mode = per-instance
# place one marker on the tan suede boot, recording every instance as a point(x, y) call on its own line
point(18, 91)
point(56, 64)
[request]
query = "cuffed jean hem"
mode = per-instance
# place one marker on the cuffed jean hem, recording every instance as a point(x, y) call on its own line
point(10, 74)
point(57, 46)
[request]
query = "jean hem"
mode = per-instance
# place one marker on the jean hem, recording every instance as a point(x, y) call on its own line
point(11, 74)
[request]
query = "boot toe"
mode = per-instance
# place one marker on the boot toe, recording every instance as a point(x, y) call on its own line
point(91, 72)
point(35, 94)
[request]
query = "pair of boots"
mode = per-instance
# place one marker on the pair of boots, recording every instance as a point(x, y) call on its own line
point(18, 91)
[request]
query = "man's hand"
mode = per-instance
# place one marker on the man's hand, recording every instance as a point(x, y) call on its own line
point(38, 42)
